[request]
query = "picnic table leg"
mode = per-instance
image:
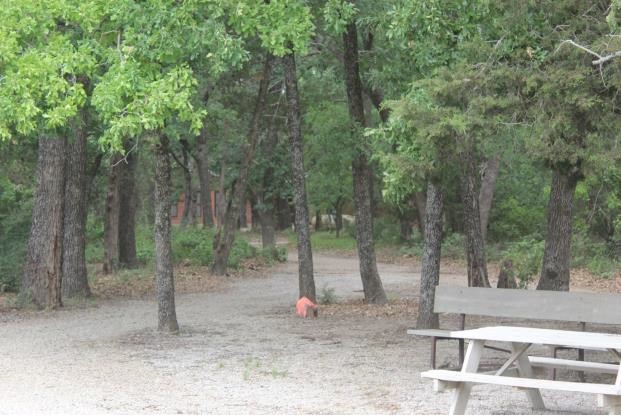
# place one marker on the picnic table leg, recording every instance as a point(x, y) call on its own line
point(526, 371)
point(471, 364)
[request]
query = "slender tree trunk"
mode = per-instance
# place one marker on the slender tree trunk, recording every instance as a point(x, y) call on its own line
point(362, 174)
point(557, 252)
point(338, 218)
point(283, 213)
point(318, 224)
point(225, 233)
point(127, 212)
point(266, 197)
point(294, 123)
point(202, 165)
point(111, 222)
point(419, 201)
point(164, 279)
point(43, 265)
point(430, 269)
point(486, 195)
point(188, 208)
point(405, 228)
point(475, 245)
point(74, 277)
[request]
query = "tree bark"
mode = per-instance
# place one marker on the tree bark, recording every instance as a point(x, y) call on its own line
point(419, 201)
point(430, 268)
point(557, 252)
point(475, 245)
point(127, 212)
point(188, 209)
point(202, 165)
point(362, 173)
point(111, 221)
point(294, 123)
point(74, 276)
point(266, 197)
point(486, 195)
point(225, 233)
point(164, 279)
point(43, 265)
point(338, 217)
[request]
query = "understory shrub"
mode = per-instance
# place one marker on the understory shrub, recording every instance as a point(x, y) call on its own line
point(526, 255)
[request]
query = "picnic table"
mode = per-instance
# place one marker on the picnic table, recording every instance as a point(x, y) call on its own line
point(521, 376)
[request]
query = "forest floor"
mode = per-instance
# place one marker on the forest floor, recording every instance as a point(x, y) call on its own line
point(241, 349)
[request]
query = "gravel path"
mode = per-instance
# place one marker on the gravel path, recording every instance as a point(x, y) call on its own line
point(240, 351)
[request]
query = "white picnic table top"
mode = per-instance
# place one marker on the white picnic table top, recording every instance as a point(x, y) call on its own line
point(539, 336)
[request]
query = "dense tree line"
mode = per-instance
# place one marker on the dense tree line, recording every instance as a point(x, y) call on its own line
point(459, 118)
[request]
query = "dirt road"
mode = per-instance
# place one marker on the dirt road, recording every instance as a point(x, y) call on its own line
point(239, 351)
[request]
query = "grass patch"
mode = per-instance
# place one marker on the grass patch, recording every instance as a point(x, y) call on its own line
point(328, 241)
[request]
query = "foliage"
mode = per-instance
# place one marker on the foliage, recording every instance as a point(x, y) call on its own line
point(526, 256)
point(327, 295)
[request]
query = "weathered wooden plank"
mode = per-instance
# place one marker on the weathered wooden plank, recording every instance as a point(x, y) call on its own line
point(552, 337)
point(430, 332)
point(455, 376)
point(572, 365)
point(529, 304)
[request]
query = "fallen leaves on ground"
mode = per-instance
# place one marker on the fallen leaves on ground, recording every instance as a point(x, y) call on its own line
point(402, 307)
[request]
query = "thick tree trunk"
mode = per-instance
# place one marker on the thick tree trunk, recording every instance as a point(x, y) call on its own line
point(202, 165)
point(127, 212)
point(74, 276)
point(557, 252)
point(43, 265)
point(111, 221)
point(294, 123)
point(475, 245)
point(225, 233)
point(164, 279)
point(362, 173)
point(486, 195)
point(430, 268)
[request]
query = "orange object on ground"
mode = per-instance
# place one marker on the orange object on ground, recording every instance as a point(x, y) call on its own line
point(303, 305)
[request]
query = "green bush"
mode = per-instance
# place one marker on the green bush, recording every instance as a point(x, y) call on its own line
point(14, 231)
point(526, 256)
point(387, 230)
point(453, 246)
point(273, 254)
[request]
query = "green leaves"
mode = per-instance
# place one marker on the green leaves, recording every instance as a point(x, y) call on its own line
point(283, 26)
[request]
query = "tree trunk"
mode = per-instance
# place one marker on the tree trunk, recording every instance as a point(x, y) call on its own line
point(557, 252)
point(475, 245)
point(419, 200)
point(430, 268)
point(283, 213)
point(164, 279)
point(74, 276)
point(294, 123)
point(362, 174)
point(202, 165)
point(127, 212)
point(318, 224)
point(506, 276)
point(188, 208)
point(405, 228)
point(111, 221)
point(225, 233)
point(486, 195)
point(43, 265)
point(266, 197)
point(338, 218)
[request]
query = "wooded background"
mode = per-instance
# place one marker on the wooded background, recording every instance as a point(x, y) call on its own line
point(478, 130)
